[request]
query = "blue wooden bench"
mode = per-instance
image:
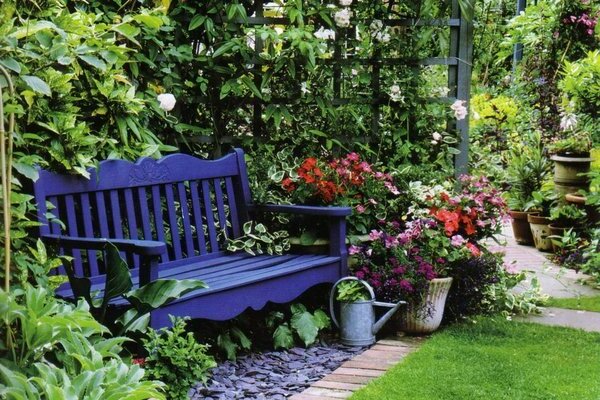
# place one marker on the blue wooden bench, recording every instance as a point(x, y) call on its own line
point(170, 218)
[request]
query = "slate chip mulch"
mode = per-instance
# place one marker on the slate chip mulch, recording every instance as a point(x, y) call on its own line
point(274, 374)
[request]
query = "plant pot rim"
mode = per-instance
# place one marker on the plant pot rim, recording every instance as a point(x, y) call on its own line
point(576, 158)
point(520, 212)
point(561, 227)
point(538, 219)
point(576, 198)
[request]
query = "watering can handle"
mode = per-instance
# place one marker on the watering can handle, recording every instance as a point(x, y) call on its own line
point(332, 293)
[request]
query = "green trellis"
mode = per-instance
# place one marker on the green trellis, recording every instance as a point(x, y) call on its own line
point(458, 62)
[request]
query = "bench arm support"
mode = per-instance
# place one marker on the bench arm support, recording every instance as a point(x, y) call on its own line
point(337, 225)
point(150, 251)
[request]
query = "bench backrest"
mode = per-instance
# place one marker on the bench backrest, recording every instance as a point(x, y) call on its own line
point(189, 203)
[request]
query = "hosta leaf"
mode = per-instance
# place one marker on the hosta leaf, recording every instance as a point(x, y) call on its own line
point(283, 337)
point(157, 293)
point(321, 319)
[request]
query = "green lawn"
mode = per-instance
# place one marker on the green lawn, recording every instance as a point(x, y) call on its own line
point(582, 303)
point(496, 359)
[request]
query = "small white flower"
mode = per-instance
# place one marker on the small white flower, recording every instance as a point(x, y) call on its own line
point(460, 111)
point(376, 25)
point(304, 88)
point(342, 18)
point(167, 101)
point(568, 121)
point(476, 116)
point(434, 142)
point(383, 37)
point(345, 3)
point(354, 72)
point(325, 34)
point(396, 93)
point(437, 136)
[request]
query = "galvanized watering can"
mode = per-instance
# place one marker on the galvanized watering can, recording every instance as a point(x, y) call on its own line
point(357, 319)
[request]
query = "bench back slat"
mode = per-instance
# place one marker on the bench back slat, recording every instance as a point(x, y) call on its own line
point(192, 205)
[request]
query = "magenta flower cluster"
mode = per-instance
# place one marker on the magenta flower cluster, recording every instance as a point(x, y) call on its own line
point(585, 21)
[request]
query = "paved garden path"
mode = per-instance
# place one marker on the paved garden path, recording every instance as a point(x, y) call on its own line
point(555, 282)
point(356, 373)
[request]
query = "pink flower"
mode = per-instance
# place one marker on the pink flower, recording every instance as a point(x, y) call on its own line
point(360, 209)
point(353, 157)
point(460, 111)
point(406, 286)
point(457, 240)
point(374, 234)
point(354, 250)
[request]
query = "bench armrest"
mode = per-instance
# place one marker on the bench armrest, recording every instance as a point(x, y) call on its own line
point(147, 248)
point(302, 210)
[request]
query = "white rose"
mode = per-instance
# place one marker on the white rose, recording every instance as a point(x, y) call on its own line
point(167, 101)
point(342, 18)
point(376, 25)
point(345, 3)
point(460, 111)
point(437, 136)
point(325, 34)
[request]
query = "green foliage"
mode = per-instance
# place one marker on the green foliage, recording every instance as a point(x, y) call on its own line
point(232, 340)
point(578, 142)
point(258, 240)
point(528, 168)
point(542, 201)
point(119, 283)
point(351, 291)
point(302, 324)
point(55, 350)
point(176, 358)
point(581, 83)
point(568, 215)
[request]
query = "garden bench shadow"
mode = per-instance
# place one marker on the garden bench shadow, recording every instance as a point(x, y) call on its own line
point(170, 218)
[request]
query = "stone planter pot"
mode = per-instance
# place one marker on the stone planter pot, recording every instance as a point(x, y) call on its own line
point(540, 232)
point(427, 316)
point(567, 170)
point(579, 201)
point(520, 226)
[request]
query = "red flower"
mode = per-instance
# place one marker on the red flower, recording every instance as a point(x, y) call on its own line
point(473, 249)
point(288, 185)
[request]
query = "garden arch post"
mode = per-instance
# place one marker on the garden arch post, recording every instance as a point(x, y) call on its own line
point(459, 76)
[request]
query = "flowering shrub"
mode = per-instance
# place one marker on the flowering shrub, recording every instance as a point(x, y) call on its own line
point(345, 181)
point(477, 212)
point(445, 229)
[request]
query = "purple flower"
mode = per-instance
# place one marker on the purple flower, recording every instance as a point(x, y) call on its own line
point(375, 234)
point(457, 240)
point(354, 250)
point(406, 286)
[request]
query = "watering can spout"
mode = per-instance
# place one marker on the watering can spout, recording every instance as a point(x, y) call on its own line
point(393, 308)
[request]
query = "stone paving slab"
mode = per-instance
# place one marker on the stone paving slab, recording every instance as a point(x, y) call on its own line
point(356, 373)
point(578, 319)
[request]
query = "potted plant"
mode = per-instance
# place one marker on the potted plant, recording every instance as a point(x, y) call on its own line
point(563, 218)
point(541, 203)
point(571, 155)
point(409, 259)
point(527, 170)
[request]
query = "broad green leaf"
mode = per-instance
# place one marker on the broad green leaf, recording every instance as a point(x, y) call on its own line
point(157, 293)
point(150, 21)
point(304, 325)
point(118, 277)
point(37, 85)
point(11, 64)
point(283, 337)
point(94, 62)
point(246, 80)
point(196, 21)
point(307, 238)
point(27, 170)
point(321, 319)
point(132, 321)
point(129, 31)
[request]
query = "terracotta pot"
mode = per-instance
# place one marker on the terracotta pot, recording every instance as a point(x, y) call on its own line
point(426, 317)
point(520, 226)
point(540, 231)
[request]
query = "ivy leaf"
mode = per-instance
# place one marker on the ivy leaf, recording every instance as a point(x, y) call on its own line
point(304, 325)
point(37, 85)
point(283, 337)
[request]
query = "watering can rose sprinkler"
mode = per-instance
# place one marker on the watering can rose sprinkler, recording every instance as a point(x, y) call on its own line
point(357, 318)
